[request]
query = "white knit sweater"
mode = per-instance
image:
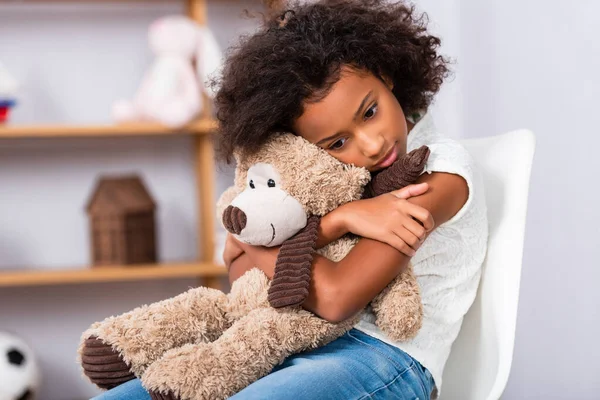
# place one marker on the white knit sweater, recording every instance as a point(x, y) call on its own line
point(448, 263)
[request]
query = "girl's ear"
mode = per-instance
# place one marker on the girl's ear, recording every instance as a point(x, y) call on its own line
point(209, 59)
point(388, 82)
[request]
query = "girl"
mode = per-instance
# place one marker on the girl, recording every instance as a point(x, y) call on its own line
point(354, 77)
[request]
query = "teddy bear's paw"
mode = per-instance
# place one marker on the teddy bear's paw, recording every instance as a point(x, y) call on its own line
point(398, 308)
point(191, 372)
point(103, 365)
point(160, 396)
point(249, 292)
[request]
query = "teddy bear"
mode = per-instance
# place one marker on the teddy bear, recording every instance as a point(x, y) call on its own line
point(171, 90)
point(205, 344)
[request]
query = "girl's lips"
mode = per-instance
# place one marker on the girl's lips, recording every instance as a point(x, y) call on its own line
point(389, 158)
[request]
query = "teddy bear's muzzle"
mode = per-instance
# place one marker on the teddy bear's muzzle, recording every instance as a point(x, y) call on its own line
point(234, 220)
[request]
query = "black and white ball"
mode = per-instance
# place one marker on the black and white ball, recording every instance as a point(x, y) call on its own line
point(19, 373)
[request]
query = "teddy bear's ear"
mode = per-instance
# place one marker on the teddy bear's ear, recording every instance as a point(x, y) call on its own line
point(242, 164)
point(357, 176)
point(237, 155)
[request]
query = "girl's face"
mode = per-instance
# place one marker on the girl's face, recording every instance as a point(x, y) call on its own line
point(359, 122)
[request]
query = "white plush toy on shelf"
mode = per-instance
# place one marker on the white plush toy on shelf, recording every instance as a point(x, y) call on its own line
point(171, 90)
point(19, 373)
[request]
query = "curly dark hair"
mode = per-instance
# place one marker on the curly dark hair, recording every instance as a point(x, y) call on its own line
point(297, 56)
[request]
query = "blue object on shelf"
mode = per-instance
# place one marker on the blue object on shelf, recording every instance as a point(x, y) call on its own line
point(7, 103)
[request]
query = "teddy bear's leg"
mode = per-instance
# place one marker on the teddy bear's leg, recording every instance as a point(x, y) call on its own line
point(247, 351)
point(398, 309)
point(249, 292)
point(114, 350)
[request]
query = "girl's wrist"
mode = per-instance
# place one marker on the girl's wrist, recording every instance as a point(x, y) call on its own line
point(346, 214)
point(333, 226)
point(339, 218)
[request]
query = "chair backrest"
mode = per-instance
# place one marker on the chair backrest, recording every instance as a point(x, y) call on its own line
point(481, 357)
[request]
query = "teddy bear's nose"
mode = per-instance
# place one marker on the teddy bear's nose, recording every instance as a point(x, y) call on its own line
point(234, 220)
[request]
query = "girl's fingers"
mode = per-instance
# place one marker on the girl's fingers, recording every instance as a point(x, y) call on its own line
point(399, 244)
point(411, 191)
point(409, 238)
point(416, 229)
point(422, 215)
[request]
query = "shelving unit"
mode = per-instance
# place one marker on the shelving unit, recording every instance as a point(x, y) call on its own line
point(202, 129)
point(110, 274)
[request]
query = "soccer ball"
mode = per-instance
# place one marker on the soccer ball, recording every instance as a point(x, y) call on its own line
point(19, 374)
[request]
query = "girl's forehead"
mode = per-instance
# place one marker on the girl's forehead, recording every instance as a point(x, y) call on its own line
point(340, 104)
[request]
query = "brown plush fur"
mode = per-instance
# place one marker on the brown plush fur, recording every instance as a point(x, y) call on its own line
point(259, 340)
point(142, 335)
point(204, 344)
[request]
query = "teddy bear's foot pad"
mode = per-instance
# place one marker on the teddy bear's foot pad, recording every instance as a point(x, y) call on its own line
point(103, 365)
point(159, 396)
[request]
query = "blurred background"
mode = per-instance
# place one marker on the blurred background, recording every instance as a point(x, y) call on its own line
point(518, 64)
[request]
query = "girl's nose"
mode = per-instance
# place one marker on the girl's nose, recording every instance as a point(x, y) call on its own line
point(371, 145)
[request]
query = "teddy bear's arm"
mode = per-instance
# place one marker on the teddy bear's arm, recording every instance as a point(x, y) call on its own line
point(398, 308)
point(291, 280)
point(405, 171)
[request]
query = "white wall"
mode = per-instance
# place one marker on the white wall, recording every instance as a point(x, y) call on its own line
point(534, 64)
point(74, 60)
point(519, 64)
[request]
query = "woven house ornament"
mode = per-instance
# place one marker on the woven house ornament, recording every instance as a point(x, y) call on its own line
point(122, 222)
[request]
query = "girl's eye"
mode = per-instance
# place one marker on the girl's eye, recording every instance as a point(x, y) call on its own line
point(371, 111)
point(271, 183)
point(252, 184)
point(338, 144)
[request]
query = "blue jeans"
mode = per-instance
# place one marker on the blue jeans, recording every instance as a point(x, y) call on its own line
point(354, 366)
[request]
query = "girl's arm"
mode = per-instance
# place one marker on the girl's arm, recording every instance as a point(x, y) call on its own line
point(332, 227)
point(340, 290)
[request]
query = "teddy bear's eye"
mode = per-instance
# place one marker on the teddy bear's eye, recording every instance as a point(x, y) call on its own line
point(271, 183)
point(252, 184)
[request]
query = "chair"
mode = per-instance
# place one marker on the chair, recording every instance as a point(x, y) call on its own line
point(481, 356)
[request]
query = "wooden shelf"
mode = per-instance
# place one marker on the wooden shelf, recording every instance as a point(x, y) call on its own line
point(202, 127)
point(110, 274)
point(204, 168)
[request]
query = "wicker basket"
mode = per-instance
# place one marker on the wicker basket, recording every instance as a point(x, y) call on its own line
point(122, 222)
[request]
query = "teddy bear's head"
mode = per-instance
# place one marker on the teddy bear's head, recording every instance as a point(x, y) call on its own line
point(279, 187)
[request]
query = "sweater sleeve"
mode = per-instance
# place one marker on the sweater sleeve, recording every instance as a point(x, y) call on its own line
point(448, 155)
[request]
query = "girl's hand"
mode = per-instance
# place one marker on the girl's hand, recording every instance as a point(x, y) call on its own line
point(263, 258)
point(232, 251)
point(391, 219)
